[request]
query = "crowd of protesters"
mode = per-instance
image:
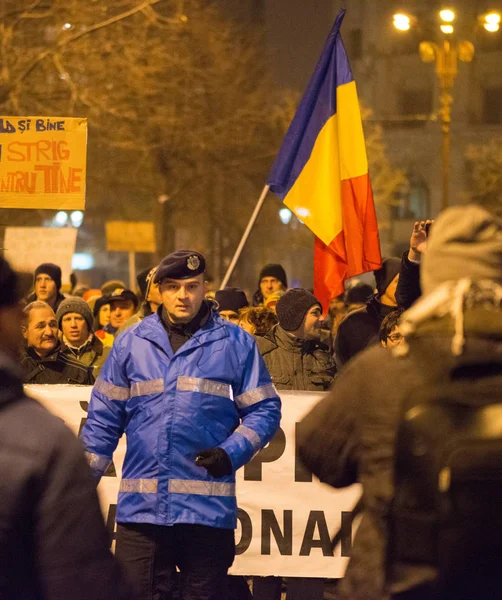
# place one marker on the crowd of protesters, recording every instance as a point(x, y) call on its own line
point(429, 313)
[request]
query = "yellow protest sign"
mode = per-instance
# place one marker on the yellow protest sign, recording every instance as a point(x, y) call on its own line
point(130, 236)
point(43, 162)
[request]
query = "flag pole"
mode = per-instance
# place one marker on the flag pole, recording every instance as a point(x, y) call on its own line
point(244, 238)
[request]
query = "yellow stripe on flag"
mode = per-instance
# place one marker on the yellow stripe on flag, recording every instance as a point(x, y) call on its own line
point(353, 159)
point(339, 153)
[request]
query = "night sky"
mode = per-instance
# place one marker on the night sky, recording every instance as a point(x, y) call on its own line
point(296, 32)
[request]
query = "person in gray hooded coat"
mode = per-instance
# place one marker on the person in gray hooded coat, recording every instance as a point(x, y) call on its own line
point(349, 436)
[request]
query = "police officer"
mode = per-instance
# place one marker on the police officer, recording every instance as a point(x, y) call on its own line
point(196, 402)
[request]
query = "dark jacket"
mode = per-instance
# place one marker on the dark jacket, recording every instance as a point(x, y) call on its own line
point(59, 298)
point(360, 329)
point(53, 542)
point(93, 354)
point(408, 287)
point(349, 436)
point(55, 368)
point(296, 364)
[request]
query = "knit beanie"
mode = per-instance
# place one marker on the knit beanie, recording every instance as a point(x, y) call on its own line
point(276, 271)
point(109, 286)
point(231, 299)
point(390, 268)
point(77, 305)
point(9, 295)
point(52, 270)
point(465, 242)
point(293, 306)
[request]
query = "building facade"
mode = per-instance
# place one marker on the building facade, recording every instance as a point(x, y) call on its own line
point(403, 93)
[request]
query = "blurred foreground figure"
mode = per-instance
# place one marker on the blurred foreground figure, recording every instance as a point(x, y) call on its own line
point(420, 427)
point(192, 394)
point(53, 541)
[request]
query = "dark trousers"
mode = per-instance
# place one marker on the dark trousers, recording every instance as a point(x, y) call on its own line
point(151, 553)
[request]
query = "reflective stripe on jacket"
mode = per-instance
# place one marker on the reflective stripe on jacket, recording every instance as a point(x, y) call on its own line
point(215, 391)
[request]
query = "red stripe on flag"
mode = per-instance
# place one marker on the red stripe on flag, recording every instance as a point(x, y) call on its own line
point(355, 250)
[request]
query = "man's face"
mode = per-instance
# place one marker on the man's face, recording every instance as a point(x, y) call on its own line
point(74, 328)
point(394, 339)
point(120, 311)
point(182, 298)
point(45, 288)
point(41, 331)
point(389, 297)
point(11, 337)
point(310, 323)
point(269, 285)
point(230, 315)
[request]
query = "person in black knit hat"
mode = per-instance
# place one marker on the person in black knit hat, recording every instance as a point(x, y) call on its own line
point(47, 283)
point(294, 355)
point(230, 301)
point(272, 279)
point(53, 539)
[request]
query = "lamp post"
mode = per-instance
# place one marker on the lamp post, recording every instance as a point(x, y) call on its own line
point(446, 56)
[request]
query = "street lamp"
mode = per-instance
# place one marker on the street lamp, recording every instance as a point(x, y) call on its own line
point(446, 55)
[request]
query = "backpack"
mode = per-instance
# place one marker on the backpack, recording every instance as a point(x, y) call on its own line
point(446, 515)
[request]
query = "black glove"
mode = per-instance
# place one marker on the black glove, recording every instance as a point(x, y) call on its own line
point(215, 461)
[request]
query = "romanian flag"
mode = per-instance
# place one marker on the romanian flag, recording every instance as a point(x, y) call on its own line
point(321, 174)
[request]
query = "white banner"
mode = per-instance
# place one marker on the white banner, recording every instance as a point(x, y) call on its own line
point(287, 519)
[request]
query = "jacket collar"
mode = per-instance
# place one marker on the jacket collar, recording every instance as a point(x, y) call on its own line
point(52, 357)
point(152, 329)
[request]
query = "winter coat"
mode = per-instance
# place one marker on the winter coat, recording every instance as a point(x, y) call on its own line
point(53, 541)
point(213, 392)
point(350, 435)
point(360, 329)
point(55, 368)
point(59, 298)
point(408, 287)
point(296, 364)
point(92, 354)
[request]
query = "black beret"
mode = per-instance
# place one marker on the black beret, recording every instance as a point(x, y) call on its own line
point(181, 264)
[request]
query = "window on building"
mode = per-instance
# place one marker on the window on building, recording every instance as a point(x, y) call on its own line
point(355, 44)
point(415, 102)
point(492, 106)
point(413, 201)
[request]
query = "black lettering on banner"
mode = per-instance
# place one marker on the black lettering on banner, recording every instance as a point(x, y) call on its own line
point(111, 526)
point(301, 472)
point(273, 451)
point(247, 532)
point(270, 525)
point(316, 517)
point(346, 532)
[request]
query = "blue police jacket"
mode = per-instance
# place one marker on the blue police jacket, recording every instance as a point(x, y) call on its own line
point(215, 391)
